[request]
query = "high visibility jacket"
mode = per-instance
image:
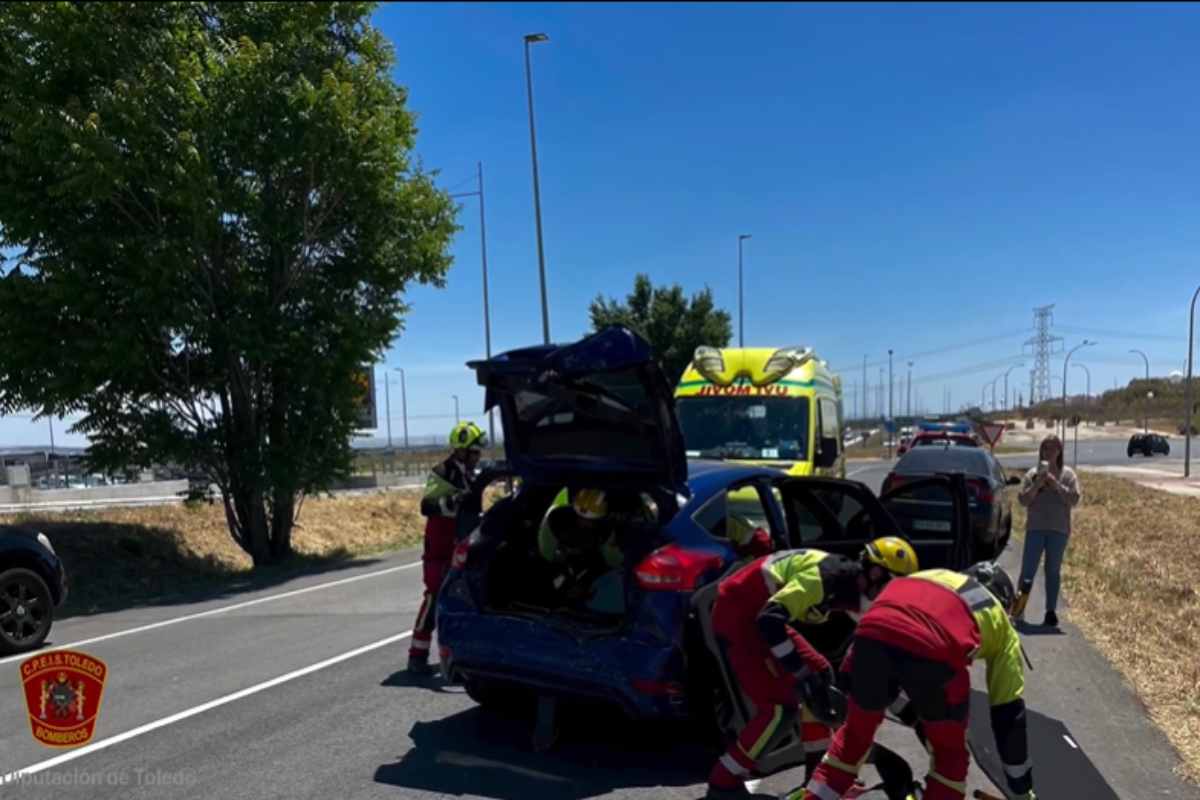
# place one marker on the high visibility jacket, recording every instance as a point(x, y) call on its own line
point(956, 624)
point(439, 505)
point(949, 617)
point(789, 586)
point(548, 545)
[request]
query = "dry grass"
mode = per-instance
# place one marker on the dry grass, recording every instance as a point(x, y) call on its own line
point(1130, 579)
point(117, 558)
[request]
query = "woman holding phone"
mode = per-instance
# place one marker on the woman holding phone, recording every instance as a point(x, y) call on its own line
point(1048, 492)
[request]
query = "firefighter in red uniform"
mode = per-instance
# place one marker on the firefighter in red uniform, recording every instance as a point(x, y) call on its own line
point(921, 635)
point(444, 488)
point(776, 666)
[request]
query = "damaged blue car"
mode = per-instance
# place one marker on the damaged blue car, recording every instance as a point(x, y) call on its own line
point(626, 631)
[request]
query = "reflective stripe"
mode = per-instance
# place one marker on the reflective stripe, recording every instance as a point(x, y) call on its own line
point(418, 644)
point(842, 765)
point(1018, 770)
point(899, 704)
point(730, 763)
point(958, 787)
point(783, 648)
point(816, 746)
point(757, 748)
point(823, 791)
point(976, 596)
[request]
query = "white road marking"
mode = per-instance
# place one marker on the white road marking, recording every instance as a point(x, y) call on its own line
point(141, 730)
point(212, 611)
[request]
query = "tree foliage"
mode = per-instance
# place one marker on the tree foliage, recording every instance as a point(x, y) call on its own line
point(216, 214)
point(673, 325)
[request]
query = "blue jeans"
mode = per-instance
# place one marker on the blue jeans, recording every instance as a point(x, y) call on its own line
point(1054, 544)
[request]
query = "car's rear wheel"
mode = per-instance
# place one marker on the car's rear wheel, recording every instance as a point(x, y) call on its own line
point(26, 610)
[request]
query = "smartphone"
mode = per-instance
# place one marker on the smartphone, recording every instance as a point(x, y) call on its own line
point(1043, 467)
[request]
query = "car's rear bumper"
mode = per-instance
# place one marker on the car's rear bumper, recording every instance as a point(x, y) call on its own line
point(645, 680)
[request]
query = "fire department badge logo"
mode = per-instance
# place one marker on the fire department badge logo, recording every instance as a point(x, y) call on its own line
point(63, 690)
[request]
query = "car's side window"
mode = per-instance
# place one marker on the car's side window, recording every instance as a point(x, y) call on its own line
point(733, 511)
point(711, 516)
point(819, 515)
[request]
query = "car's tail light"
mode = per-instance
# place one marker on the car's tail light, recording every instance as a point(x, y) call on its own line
point(981, 490)
point(674, 569)
point(657, 688)
point(459, 559)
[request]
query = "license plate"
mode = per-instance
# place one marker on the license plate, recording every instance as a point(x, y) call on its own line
point(942, 526)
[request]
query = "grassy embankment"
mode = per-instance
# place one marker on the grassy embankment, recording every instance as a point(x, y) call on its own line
point(1130, 581)
point(119, 558)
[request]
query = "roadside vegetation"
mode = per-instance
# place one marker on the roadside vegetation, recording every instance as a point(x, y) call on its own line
point(1131, 589)
point(126, 557)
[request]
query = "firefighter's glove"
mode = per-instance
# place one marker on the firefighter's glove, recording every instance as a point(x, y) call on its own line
point(816, 691)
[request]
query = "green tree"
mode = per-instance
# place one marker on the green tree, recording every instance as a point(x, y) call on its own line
point(216, 213)
point(673, 325)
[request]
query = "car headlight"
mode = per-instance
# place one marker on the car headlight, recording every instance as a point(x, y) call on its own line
point(44, 540)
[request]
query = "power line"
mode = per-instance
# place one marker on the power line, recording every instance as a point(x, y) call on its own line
point(1112, 334)
point(939, 351)
point(972, 369)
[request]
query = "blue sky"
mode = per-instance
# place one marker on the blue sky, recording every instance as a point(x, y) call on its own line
point(914, 177)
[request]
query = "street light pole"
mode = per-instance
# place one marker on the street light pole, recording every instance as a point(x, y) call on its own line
point(1187, 391)
point(387, 403)
point(891, 386)
point(1087, 400)
point(457, 418)
point(403, 405)
point(1145, 403)
point(741, 310)
point(879, 395)
point(533, 38)
point(1066, 369)
point(487, 314)
point(1010, 369)
point(865, 387)
point(908, 402)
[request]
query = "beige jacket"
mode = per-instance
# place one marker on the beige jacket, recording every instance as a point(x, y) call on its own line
point(1049, 507)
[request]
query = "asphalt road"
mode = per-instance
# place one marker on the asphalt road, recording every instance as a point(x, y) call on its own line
point(1099, 453)
point(296, 692)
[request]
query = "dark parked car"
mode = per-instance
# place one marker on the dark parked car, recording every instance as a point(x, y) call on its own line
point(1148, 444)
point(990, 507)
point(32, 584)
point(599, 413)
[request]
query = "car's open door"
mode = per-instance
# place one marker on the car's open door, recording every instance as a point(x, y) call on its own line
point(934, 515)
point(735, 709)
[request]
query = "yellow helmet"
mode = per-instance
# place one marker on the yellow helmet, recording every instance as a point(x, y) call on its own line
point(893, 554)
point(591, 504)
point(466, 436)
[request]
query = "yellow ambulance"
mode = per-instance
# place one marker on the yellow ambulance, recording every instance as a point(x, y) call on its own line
point(780, 407)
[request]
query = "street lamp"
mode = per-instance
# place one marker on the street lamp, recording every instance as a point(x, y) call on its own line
point(1145, 406)
point(891, 386)
point(1187, 390)
point(534, 38)
point(1087, 402)
point(387, 403)
point(1010, 369)
point(1066, 369)
point(403, 406)
point(487, 317)
point(908, 401)
point(741, 312)
point(457, 418)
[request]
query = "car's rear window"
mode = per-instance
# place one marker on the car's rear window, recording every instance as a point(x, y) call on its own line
point(935, 458)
